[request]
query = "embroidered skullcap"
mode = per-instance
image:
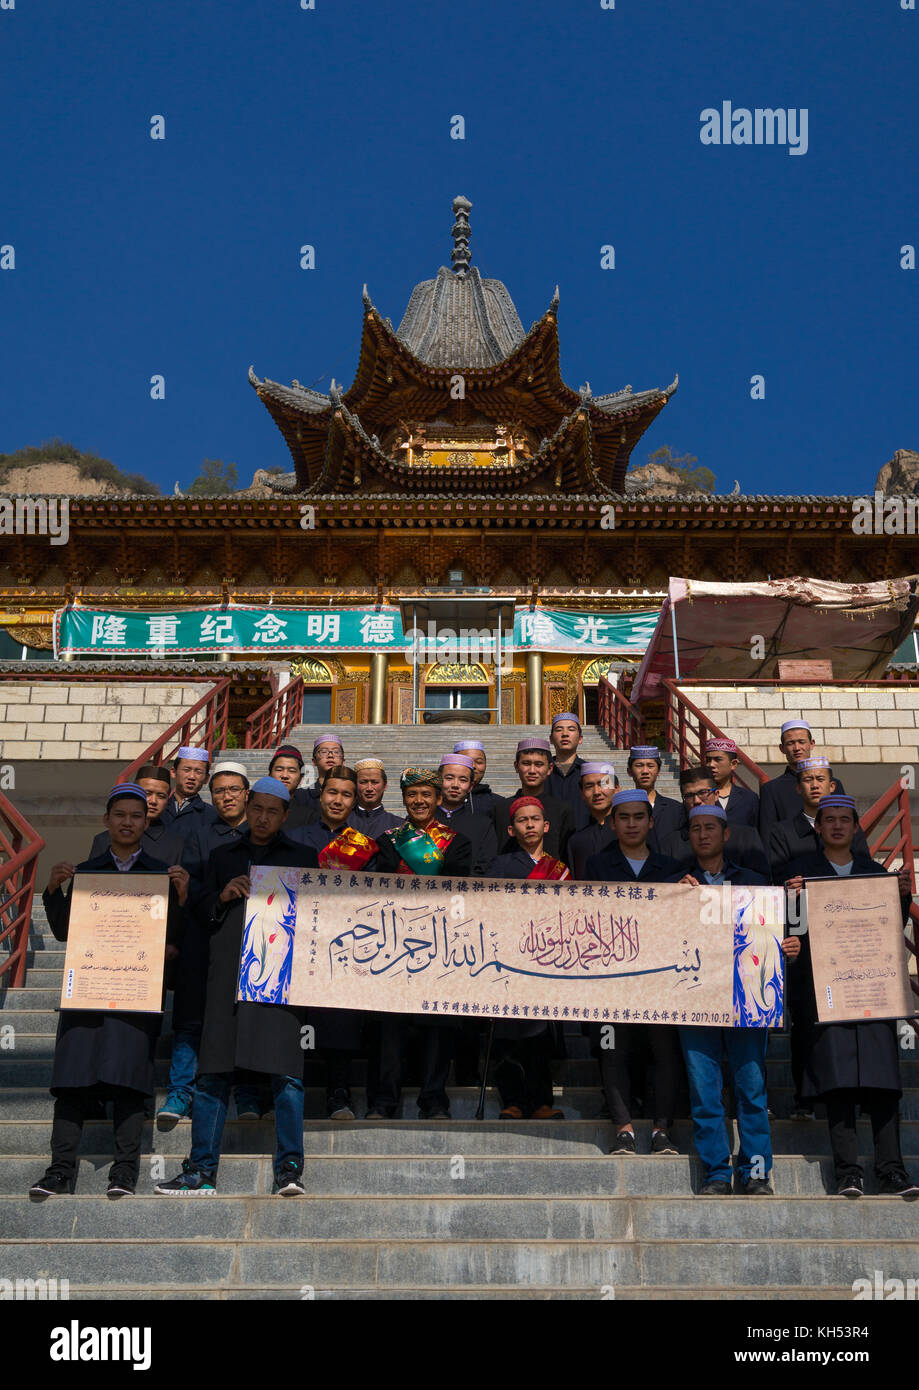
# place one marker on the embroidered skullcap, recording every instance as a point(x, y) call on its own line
point(837, 799)
point(194, 755)
point(521, 801)
point(466, 745)
point(631, 794)
point(567, 715)
point(644, 750)
point(126, 789)
point(717, 811)
point(287, 750)
point(795, 724)
point(271, 787)
point(720, 745)
point(327, 738)
point(363, 763)
point(457, 760)
point(807, 763)
point(238, 768)
point(421, 777)
point(535, 745)
point(598, 769)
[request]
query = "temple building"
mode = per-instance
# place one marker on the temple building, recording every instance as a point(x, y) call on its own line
point(458, 485)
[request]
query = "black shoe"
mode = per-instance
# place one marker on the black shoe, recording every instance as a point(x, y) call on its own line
point(52, 1185)
point(755, 1187)
point(897, 1184)
point(121, 1183)
point(338, 1105)
point(190, 1182)
point(661, 1143)
point(852, 1186)
point(624, 1143)
point(288, 1181)
point(716, 1187)
point(434, 1114)
point(377, 1112)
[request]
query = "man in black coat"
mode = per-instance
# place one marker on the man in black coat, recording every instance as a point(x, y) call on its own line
point(644, 767)
point(598, 784)
point(421, 845)
point(788, 839)
point(258, 1037)
point(161, 841)
point(455, 810)
point(564, 782)
point(629, 860)
point(778, 798)
point(705, 1048)
point(481, 798)
point(101, 1055)
point(533, 762)
point(849, 1066)
point(369, 815)
point(739, 803)
point(697, 787)
point(229, 788)
point(186, 810)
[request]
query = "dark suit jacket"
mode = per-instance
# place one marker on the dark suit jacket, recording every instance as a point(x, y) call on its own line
point(790, 838)
point(666, 816)
point(733, 873)
point(160, 841)
point(744, 847)
point(584, 843)
point(780, 800)
point(479, 829)
point(742, 806)
point(568, 789)
point(611, 866)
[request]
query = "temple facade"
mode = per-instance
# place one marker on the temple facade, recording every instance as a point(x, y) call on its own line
point(458, 483)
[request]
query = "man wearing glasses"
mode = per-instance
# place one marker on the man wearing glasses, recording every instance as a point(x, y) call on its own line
point(698, 788)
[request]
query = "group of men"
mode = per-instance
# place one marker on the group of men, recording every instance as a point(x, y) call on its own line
point(567, 819)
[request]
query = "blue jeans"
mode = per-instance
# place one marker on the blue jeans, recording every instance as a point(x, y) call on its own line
point(184, 1064)
point(212, 1096)
point(746, 1054)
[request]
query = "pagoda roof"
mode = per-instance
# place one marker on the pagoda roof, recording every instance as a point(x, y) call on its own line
point(458, 323)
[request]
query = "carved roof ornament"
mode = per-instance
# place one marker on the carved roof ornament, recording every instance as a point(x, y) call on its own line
point(461, 256)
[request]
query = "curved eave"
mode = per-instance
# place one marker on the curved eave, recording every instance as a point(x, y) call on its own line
point(613, 445)
point(563, 462)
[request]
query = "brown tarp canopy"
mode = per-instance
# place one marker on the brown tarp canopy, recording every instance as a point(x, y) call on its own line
point(856, 626)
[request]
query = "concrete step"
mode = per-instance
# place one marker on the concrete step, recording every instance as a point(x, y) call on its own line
point(151, 1217)
point(488, 1174)
point(461, 1136)
point(590, 1264)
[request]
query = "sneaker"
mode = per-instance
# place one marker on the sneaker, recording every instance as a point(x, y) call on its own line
point(288, 1181)
point(120, 1185)
point(52, 1185)
point(339, 1106)
point(716, 1187)
point(190, 1182)
point(755, 1187)
point(624, 1143)
point(897, 1184)
point(661, 1143)
point(174, 1108)
point(852, 1186)
point(248, 1112)
point(802, 1112)
point(511, 1112)
point(377, 1114)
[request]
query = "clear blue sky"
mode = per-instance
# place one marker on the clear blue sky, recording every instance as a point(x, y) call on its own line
point(331, 127)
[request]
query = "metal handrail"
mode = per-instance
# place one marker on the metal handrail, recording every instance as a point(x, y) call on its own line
point(20, 846)
point(207, 722)
point(617, 716)
point(686, 730)
point(273, 720)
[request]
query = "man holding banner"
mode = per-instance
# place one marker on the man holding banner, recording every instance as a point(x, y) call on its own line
point(103, 1054)
point(850, 1065)
point(259, 1037)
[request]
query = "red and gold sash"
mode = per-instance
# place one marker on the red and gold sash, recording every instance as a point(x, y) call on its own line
point(549, 868)
point(349, 849)
point(425, 848)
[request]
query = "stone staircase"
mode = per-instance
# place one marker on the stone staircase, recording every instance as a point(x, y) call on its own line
point(423, 745)
point(452, 1209)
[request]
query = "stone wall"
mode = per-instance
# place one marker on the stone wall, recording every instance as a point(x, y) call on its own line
point(89, 719)
point(870, 725)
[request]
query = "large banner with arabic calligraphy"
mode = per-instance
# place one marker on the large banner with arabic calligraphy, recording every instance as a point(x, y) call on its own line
point(514, 949)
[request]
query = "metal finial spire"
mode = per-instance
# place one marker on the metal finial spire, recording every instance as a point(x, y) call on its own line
point(460, 255)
